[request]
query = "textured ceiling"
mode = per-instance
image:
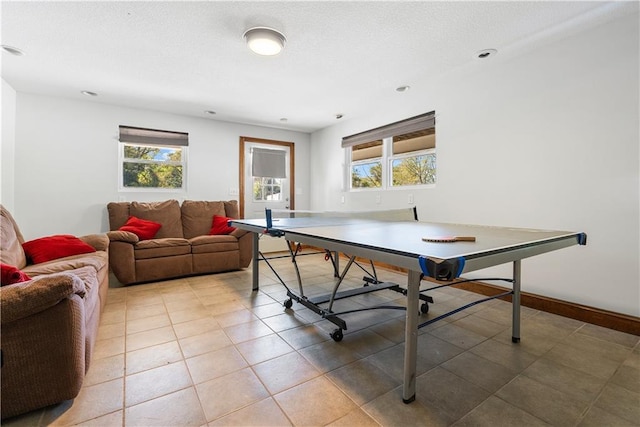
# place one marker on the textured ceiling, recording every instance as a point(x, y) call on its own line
point(340, 57)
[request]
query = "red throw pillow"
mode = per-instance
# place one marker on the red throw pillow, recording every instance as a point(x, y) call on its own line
point(54, 247)
point(220, 225)
point(10, 275)
point(144, 229)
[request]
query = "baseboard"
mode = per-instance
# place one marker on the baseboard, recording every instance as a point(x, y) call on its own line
point(596, 316)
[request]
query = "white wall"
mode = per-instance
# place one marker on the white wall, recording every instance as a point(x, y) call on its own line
point(7, 145)
point(66, 161)
point(545, 139)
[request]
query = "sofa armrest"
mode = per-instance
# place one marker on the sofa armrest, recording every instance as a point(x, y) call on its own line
point(238, 233)
point(27, 298)
point(100, 242)
point(122, 236)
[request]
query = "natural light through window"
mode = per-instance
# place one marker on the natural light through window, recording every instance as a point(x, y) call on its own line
point(152, 159)
point(366, 165)
point(149, 167)
point(267, 189)
point(397, 155)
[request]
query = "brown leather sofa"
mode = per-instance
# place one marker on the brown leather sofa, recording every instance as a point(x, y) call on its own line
point(49, 324)
point(182, 246)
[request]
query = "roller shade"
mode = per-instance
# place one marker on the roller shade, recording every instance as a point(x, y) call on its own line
point(413, 124)
point(420, 142)
point(369, 150)
point(268, 163)
point(135, 135)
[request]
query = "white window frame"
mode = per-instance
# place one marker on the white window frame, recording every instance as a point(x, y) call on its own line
point(386, 133)
point(280, 184)
point(387, 168)
point(122, 159)
point(407, 155)
point(364, 162)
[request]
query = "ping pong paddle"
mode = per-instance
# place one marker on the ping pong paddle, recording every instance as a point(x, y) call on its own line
point(448, 239)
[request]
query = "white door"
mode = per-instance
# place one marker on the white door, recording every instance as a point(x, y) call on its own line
point(266, 192)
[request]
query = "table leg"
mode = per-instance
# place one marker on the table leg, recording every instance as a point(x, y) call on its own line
point(515, 302)
point(411, 337)
point(255, 267)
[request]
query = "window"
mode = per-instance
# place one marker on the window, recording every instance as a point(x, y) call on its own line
point(366, 165)
point(413, 158)
point(392, 156)
point(268, 168)
point(152, 159)
point(267, 189)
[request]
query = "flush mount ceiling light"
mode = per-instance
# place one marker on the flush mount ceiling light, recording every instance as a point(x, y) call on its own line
point(264, 41)
point(12, 50)
point(403, 88)
point(210, 112)
point(485, 53)
point(88, 93)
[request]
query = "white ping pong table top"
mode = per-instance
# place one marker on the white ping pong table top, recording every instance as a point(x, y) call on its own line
point(404, 238)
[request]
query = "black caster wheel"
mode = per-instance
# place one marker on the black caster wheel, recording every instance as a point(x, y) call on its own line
point(424, 308)
point(337, 335)
point(288, 303)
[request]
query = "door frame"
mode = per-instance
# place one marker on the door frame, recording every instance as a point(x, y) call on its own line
point(292, 163)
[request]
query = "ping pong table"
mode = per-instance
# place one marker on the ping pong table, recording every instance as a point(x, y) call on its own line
point(400, 243)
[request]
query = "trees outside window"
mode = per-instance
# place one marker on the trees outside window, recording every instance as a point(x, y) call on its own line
point(151, 167)
point(407, 159)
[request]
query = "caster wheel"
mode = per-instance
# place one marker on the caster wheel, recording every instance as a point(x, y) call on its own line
point(424, 308)
point(288, 303)
point(337, 335)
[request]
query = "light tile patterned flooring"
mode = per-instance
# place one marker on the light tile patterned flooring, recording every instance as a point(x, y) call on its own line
point(207, 351)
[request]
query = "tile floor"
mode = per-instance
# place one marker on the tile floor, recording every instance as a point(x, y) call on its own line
point(207, 351)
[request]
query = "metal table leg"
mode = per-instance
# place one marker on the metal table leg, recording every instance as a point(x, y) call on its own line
point(515, 302)
point(411, 337)
point(255, 269)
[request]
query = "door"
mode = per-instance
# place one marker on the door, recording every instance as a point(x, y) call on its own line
point(266, 182)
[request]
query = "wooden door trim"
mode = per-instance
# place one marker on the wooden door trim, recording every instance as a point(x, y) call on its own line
point(292, 169)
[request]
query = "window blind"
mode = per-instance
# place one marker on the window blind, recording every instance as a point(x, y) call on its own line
point(268, 163)
point(135, 135)
point(413, 124)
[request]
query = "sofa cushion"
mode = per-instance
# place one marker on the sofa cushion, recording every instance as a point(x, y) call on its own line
point(220, 225)
point(144, 229)
point(196, 216)
point(96, 260)
point(10, 275)
point(218, 243)
point(166, 213)
point(118, 214)
point(11, 239)
point(231, 208)
point(53, 247)
point(157, 248)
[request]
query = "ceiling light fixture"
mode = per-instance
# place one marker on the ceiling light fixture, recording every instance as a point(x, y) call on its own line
point(86, 92)
point(403, 88)
point(210, 112)
point(264, 41)
point(13, 50)
point(485, 53)
point(339, 116)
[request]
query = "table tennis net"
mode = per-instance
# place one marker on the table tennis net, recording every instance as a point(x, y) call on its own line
point(405, 214)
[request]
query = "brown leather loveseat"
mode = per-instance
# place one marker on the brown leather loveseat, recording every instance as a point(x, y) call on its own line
point(182, 246)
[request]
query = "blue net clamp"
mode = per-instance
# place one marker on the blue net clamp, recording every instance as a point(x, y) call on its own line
point(269, 230)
